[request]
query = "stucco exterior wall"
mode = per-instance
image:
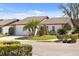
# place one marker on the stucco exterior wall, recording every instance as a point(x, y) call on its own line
point(56, 27)
point(19, 30)
point(5, 29)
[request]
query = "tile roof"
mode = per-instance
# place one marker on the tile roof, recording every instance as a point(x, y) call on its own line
point(28, 19)
point(5, 22)
point(55, 21)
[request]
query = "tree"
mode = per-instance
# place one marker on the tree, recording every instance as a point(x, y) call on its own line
point(71, 10)
point(31, 26)
point(67, 27)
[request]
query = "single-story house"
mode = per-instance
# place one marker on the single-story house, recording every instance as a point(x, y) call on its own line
point(20, 24)
point(5, 24)
point(54, 24)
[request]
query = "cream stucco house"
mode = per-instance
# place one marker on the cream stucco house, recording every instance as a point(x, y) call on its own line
point(20, 24)
point(5, 24)
point(53, 24)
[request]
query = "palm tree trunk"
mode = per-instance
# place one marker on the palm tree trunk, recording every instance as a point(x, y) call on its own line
point(33, 31)
point(36, 32)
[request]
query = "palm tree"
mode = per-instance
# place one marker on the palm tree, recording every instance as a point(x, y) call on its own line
point(71, 10)
point(31, 26)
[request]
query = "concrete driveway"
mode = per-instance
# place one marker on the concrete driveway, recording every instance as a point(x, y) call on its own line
point(53, 48)
point(9, 38)
point(48, 48)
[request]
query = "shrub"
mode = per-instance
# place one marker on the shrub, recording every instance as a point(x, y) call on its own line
point(15, 49)
point(74, 38)
point(76, 31)
point(66, 38)
point(41, 31)
point(60, 37)
point(67, 27)
point(11, 31)
point(69, 38)
point(11, 42)
point(61, 31)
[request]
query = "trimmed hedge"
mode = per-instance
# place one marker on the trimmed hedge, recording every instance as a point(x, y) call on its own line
point(15, 49)
point(11, 42)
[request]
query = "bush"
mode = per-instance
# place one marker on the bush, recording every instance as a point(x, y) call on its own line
point(74, 38)
point(11, 42)
point(11, 31)
point(15, 49)
point(60, 37)
point(41, 31)
point(61, 31)
point(66, 38)
point(76, 31)
point(67, 27)
point(70, 38)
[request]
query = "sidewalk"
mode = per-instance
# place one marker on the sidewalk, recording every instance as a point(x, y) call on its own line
point(9, 38)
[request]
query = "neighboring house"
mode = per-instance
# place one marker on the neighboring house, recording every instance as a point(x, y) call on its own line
point(20, 24)
point(54, 24)
point(5, 24)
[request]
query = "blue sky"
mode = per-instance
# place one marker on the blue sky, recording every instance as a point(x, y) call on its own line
point(22, 10)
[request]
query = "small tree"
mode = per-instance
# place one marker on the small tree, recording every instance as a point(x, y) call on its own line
point(11, 31)
point(67, 27)
point(31, 26)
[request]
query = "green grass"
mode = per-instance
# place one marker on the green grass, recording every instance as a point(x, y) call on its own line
point(42, 38)
point(2, 35)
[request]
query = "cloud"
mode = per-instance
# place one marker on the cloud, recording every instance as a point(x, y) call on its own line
point(36, 12)
point(29, 13)
point(21, 15)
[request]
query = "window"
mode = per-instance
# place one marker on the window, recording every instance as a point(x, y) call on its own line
point(53, 28)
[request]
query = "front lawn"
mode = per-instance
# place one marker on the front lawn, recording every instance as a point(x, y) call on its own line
point(42, 38)
point(2, 35)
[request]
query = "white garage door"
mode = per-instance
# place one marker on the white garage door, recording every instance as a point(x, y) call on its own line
point(19, 30)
